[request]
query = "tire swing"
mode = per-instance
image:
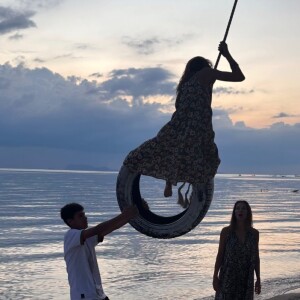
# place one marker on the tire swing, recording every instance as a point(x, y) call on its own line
point(151, 224)
point(156, 226)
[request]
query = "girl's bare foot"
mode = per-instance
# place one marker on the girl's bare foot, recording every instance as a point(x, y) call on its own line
point(168, 189)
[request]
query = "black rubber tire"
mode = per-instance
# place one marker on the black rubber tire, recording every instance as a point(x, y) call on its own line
point(153, 225)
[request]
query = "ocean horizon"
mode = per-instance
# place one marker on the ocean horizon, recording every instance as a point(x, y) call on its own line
point(134, 266)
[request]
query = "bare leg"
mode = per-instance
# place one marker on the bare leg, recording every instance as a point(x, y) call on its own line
point(168, 189)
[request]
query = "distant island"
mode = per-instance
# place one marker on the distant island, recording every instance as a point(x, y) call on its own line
point(80, 167)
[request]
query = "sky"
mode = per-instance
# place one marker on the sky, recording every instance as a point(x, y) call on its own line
point(84, 82)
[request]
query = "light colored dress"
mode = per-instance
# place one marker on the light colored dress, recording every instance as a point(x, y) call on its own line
point(184, 149)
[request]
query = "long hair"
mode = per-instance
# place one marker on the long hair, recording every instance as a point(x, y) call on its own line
point(192, 67)
point(249, 220)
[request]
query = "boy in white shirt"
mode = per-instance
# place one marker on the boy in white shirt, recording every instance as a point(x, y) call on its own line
point(79, 250)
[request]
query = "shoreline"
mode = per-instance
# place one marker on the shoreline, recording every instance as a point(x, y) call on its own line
point(290, 295)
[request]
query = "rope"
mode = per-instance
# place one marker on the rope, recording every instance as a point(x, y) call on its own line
point(227, 30)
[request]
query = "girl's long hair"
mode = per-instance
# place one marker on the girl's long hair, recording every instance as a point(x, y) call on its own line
point(249, 220)
point(192, 67)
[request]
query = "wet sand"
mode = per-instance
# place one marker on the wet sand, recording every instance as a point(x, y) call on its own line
point(292, 295)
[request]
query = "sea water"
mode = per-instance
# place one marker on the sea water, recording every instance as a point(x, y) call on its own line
point(134, 266)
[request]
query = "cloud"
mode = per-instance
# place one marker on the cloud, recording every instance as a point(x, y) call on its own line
point(11, 20)
point(16, 36)
point(48, 120)
point(140, 82)
point(39, 60)
point(4, 83)
point(69, 56)
point(82, 46)
point(39, 4)
point(267, 150)
point(284, 115)
point(144, 47)
point(97, 75)
point(39, 108)
point(19, 60)
point(150, 45)
point(231, 91)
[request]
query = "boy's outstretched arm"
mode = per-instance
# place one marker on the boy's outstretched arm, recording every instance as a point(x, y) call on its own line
point(107, 227)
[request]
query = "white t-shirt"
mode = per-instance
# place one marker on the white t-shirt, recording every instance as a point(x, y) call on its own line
point(82, 267)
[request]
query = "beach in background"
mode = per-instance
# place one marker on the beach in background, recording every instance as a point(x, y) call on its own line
point(134, 266)
point(292, 295)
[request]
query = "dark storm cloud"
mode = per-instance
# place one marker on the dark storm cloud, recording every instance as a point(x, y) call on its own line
point(11, 20)
point(271, 150)
point(140, 82)
point(40, 109)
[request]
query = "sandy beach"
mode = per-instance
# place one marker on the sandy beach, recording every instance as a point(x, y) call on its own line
point(292, 295)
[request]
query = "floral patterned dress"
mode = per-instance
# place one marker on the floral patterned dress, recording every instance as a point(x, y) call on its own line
point(184, 149)
point(237, 269)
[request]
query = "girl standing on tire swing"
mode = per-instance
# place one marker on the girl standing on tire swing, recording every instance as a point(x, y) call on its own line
point(184, 149)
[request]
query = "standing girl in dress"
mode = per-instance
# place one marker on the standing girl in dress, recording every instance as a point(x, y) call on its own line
point(184, 149)
point(238, 257)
